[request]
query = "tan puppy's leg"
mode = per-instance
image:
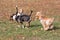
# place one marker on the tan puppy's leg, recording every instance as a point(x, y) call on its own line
point(46, 27)
point(51, 27)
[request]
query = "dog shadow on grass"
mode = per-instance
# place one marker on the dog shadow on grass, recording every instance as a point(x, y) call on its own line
point(56, 28)
point(35, 25)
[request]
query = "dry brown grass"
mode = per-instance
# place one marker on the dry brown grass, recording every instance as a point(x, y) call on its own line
point(49, 7)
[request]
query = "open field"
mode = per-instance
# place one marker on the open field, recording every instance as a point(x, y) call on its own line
point(10, 30)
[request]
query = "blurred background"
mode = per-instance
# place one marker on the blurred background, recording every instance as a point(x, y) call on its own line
point(48, 7)
point(10, 30)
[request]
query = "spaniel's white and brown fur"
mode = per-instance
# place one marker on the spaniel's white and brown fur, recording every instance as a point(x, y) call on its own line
point(46, 22)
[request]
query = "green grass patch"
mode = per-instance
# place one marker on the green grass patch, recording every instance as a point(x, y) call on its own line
point(11, 31)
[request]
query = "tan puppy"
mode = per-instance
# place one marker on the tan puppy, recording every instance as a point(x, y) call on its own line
point(46, 22)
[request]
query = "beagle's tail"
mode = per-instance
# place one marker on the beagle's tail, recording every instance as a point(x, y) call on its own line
point(16, 9)
point(31, 12)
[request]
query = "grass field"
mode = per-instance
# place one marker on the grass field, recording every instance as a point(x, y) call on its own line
point(10, 31)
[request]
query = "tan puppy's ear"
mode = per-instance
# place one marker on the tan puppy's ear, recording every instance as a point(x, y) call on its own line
point(20, 10)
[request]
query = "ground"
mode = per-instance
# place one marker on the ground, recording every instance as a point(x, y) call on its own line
point(12, 31)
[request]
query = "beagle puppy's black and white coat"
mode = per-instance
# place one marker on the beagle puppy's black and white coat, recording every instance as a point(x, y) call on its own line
point(21, 17)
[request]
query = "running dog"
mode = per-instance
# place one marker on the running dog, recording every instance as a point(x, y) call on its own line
point(46, 22)
point(22, 18)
